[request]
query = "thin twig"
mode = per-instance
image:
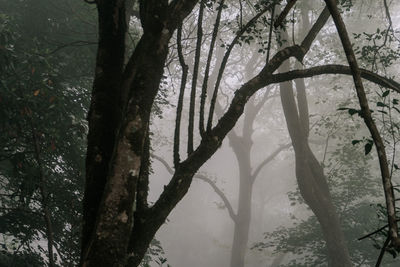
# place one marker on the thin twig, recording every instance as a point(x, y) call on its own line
point(179, 107)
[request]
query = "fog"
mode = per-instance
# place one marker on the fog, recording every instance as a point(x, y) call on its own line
point(214, 133)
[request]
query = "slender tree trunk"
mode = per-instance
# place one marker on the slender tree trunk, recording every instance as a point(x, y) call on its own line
point(243, 218)
point(309, 173)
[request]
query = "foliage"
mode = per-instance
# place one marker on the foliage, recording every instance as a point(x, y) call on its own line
point(44, 98)
point(354, 188)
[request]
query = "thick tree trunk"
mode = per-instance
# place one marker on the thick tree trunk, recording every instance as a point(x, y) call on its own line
point(119, 116)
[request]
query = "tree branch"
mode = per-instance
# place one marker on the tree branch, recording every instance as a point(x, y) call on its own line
point(223, 65)
point(207, 180)
point(268, 160)
point(194, 79)
point(179, 106)
point(284, 13)
point(378, 262)
point(334, 69)
point(182, 178)
point(207, 70)
point(366, 114)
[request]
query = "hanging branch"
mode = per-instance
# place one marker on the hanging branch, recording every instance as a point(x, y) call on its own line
point(366, 114)
point(207, 70)
point(194, 78)
point(223, 65)
point(284, 13)
point(179, 107)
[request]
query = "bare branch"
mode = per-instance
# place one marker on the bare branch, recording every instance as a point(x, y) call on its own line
point(194, 78)
point(378, 262)
point(223, 65)
point(268, 160)
point(179, 107)
point(284, 13)
point(333, 69)
point(366, 114)
point(204, 178)
point(207, 70)
point(270, 33)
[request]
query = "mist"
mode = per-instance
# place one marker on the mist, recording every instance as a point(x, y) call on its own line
point(199, 133)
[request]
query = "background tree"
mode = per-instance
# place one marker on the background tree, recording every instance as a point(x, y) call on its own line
point(45, 73)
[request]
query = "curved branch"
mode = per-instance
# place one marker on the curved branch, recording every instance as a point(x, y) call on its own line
point(268, 160)
point(220, 194)
point(207, 180)
point(334, 69)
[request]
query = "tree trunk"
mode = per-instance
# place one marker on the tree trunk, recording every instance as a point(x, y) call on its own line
point(310, 177)
point(243, 217)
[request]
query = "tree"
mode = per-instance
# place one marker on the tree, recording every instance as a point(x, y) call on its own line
point(43, 129)
point(118, 222)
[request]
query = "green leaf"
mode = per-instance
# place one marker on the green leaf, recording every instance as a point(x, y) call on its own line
point(386, 93)
point(352, 111)
point(368, 147)
point(354, 142)
point(380, 104)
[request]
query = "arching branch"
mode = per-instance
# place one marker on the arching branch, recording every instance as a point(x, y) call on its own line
point(334, 69)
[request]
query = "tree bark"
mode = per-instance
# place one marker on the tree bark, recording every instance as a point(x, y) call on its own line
point(119, 117)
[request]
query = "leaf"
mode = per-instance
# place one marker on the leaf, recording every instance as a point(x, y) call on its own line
point(352, 111)
point(386, 93)
point(36, 93)
point(380, 104)
point(354, 142)
point(368, 147)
